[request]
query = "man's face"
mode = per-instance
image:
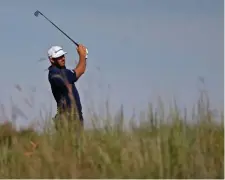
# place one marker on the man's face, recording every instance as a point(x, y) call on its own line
point(60, 61)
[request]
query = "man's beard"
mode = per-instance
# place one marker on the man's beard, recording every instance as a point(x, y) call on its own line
point(61, 67)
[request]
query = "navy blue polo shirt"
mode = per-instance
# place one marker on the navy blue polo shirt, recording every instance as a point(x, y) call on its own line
point(57, 78)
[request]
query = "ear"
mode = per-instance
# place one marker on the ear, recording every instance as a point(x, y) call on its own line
point(51, 60)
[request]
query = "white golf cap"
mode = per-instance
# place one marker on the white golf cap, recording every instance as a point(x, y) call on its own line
point(56, 51)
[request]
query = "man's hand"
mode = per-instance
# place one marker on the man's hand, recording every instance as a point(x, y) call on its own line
point(81, 50)
point(81, 66)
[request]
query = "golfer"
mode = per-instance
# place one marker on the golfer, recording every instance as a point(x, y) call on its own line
point(62, 80)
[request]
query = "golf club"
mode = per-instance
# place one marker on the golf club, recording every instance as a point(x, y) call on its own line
point(38, 12)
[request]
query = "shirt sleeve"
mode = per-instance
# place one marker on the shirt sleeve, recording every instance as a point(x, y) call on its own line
point(72, 77)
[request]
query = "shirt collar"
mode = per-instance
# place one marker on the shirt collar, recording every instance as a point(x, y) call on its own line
point(54, 67)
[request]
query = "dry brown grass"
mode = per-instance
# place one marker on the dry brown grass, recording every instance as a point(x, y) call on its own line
point(152, 150)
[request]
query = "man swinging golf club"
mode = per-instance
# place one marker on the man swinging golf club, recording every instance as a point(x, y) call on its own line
point(62, 80)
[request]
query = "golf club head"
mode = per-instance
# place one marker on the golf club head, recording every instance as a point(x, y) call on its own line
point(37, 13)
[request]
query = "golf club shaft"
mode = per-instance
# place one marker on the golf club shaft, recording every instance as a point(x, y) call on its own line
point(59, 29)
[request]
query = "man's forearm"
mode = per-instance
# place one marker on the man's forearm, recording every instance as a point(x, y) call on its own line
point(81, 67)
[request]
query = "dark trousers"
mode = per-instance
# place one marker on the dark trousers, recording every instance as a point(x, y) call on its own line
point(71, 125)
point(70, 119)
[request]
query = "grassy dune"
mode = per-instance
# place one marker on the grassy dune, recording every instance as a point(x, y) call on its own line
point(153, 149)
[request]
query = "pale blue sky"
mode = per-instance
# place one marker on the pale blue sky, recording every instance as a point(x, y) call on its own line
point(144, 49)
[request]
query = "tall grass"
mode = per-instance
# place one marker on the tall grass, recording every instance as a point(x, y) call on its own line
point(163, 146)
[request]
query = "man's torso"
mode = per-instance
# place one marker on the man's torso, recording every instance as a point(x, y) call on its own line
point(58, 78)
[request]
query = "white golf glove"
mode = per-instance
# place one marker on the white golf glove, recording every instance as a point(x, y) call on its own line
point(86, 53)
